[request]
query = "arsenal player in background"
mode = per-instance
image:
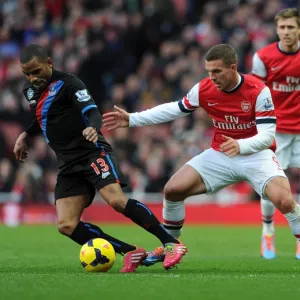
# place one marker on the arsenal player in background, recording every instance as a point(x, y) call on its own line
point(278, 65)
point(242, 146)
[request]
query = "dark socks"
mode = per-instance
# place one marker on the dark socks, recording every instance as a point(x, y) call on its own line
point(140, 214)
point(86, 231)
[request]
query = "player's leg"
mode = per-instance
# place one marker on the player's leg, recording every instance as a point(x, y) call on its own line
point(108, 179)
point(267, 246)
point(140, 214)
point(69, 210)
point(206, 172)
point(279, 192)
point(184, 183)
point(105, 175)
point(264, 172)
point(283, 154)
point(295, 163)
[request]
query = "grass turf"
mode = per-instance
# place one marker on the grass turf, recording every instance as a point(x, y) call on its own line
point(223, 263)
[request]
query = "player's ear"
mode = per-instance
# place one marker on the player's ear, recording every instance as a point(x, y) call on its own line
point(233, 67)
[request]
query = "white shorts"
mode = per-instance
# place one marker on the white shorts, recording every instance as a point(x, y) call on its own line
point(288, 150)
point(218, 170)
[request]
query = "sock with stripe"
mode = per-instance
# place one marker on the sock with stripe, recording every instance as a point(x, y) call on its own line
point(173, 217)
point(293, 218)
point(140, 214)
point(84, 232)
point(267, 213)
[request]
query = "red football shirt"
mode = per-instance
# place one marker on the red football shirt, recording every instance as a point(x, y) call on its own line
point(235, 113)
point(281, 73)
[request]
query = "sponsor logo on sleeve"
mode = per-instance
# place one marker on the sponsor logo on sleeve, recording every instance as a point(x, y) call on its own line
point(83, 95)
point(268, 104)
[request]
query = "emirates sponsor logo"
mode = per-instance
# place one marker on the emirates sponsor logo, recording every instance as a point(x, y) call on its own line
point(233, 126)
point(292, 84)
point(287, 88)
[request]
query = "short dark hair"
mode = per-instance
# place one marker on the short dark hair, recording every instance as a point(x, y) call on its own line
point(33, 51)
point(288, 13)
point(224, 52)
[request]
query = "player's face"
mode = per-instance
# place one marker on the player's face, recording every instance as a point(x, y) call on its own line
point(288, 32)
point(224, 77)
point(38, 73)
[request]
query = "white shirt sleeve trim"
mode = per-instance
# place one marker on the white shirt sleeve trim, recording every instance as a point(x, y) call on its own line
point(258, 67)
point(159, 114)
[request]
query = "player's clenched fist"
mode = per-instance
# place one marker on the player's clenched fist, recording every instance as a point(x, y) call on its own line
point(117, 119)
point(90, 134)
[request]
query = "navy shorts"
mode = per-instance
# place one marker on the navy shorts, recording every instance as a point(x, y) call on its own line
point(89, 175)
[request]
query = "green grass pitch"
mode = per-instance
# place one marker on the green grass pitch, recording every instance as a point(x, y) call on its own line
point(223, 263)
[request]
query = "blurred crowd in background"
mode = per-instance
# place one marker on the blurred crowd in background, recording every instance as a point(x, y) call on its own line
point(132, 53)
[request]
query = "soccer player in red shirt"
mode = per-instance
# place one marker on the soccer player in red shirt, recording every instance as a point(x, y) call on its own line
point(242, 148)
point(278, 65)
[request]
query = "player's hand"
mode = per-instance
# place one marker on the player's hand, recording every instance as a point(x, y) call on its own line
point(90, 134)
point(230, 147)
point(20, 149)
point(117, 119)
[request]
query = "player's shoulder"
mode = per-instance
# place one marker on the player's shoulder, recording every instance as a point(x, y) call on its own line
point(268, 50)
point(68, 78)
point(205, 83)
point(252, 82)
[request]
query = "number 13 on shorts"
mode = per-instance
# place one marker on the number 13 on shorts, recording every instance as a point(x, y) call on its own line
point(102, 165)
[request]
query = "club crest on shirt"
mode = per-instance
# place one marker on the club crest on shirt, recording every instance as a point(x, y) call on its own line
point(246, 106)
point(52, 90)
point(30, 93)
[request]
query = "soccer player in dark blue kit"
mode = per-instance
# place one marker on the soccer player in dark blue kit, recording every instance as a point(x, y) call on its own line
point(68, 117)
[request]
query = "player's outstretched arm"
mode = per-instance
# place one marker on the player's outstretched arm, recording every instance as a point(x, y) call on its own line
point(116, 119)
point(20, 149)
point(158, 114)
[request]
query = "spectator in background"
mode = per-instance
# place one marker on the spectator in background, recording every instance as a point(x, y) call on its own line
point(7, 175)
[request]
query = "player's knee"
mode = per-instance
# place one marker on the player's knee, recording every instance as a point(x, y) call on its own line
point(286, 204)
point(66, 227)
point(173, 192)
